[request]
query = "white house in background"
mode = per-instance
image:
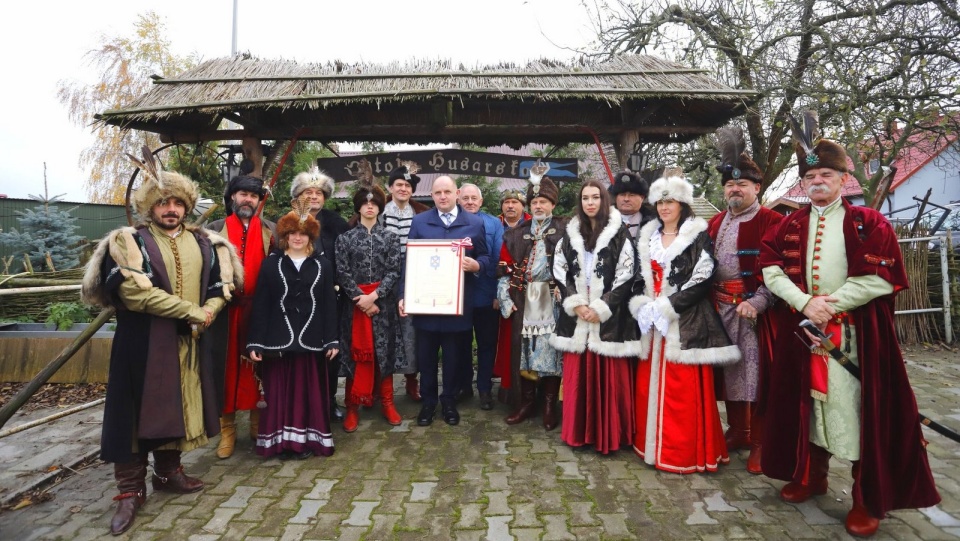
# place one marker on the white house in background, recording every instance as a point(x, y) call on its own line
point(929, 163)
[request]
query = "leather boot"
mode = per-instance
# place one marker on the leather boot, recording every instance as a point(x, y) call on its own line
point(413, 387)
point(860, 523)
point(551, 392)
point(352, 419)
point(333, 372)
point(131, 480)
point(386, 401)
point(756, 441)
point(738, 417)
point(168, 474)
point(228, 435)
point(254, 424)
point(528, 399)
point(815, 480)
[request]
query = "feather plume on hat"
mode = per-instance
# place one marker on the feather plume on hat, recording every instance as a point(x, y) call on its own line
point(298, 220)
point(159, 185)
point(412, 168)
point(806, 133)
point(735, 163)
point(537, 173)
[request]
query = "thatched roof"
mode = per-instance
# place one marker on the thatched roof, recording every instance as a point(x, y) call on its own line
point(433, 101)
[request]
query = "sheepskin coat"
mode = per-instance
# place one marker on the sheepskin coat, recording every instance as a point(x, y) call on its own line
point(603, 283)
point(696, 334)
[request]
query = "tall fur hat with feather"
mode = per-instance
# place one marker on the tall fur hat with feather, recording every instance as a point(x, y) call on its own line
point(541, 185)
point(159, 185)
point(314, 178)
point(672, 187)
point(812, 151)
point(299, 219)
point(407, 171)
point(735, 163)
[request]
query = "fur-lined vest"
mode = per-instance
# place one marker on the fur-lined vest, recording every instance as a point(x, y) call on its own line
point(603, 284)
point(696, 334)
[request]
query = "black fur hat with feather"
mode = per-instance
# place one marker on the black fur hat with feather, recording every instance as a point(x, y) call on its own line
point(735, 163)
point(812, 151)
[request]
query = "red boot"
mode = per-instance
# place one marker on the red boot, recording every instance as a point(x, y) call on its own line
point(386, 401)
point(815, 481)
point(756, 439)
point(352, 419)
point(738, 417)
point(860, 523)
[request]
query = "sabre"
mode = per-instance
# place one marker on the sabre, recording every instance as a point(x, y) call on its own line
point(854, 370)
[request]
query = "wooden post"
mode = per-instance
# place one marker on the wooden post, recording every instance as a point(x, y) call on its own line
point(628, 138)
point(253, 151)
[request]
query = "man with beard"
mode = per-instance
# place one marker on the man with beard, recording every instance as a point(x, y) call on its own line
point(252, 237)
point(317, 187)
point(629, 193)
point(526, 295)
point(486, 319)
point(167, 282)
point(840, 267)
point(397, 217)
point(740, 298)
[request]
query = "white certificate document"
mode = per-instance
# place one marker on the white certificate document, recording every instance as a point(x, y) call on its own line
point(433, 283)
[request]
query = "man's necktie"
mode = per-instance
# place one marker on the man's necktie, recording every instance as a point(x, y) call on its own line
point(447, 218)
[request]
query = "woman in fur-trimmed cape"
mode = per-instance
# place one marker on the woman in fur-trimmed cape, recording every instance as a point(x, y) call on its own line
point(594, 270)
point(678, 424)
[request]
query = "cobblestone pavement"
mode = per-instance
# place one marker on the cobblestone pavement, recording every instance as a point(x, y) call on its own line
point(485, 480)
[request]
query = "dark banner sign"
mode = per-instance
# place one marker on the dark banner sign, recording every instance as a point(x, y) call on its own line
point(449, 161)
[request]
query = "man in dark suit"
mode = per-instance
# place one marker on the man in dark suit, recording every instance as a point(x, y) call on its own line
point(446, 333)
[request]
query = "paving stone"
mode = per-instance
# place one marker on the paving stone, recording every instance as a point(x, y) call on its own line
point(716, 502)
point(614, 526)
point(497, 529)
point(525, 515)
point(221, 517)
point(240, 496)
point(361, 514)
point(556, 528)
point(308, 510)
point(422, 491)
point(699, 516)
point(498, 504)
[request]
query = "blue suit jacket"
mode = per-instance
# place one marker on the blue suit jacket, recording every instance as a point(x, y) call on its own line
point(428, 225)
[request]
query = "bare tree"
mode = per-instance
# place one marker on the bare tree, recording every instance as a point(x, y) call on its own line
point(125, 65)
point(878, 71)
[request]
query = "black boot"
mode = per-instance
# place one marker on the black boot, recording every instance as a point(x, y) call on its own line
point(333, 371)
point(168, 474)
point(132, 483)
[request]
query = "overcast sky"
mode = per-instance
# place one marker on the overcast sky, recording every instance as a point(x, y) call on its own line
point(45, 41)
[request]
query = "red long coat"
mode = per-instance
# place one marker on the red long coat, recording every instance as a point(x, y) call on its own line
point(894, 471)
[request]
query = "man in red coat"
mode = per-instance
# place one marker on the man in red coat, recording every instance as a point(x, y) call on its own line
point(741, 300)
point(840, 267)
point(252, 236)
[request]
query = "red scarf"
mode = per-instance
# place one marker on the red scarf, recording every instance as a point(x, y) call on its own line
point(819, 358)
point(249, 245)
point(362, 352)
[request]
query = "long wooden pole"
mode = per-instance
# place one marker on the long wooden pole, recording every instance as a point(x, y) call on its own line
point(7, 411)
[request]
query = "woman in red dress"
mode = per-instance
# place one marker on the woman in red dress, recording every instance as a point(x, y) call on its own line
point(594, 270)
point(678, 424)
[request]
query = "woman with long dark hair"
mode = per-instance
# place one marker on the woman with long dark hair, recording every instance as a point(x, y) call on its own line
point(594, 270)
point(678, 424)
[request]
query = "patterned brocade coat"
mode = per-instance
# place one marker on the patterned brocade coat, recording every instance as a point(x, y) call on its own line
point(365, 257)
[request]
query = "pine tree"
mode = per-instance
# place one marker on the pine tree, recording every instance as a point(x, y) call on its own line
point(46, 229)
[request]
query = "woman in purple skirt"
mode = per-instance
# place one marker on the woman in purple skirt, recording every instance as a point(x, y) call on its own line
point(293, 334)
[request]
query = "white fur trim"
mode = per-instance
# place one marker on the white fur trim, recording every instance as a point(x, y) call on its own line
point(671, 189)
point(573, 301)
point(601, 309)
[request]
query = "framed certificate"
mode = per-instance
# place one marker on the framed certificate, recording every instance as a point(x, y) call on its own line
point(433, 283)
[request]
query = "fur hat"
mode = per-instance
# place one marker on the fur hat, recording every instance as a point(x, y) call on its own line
point(734, 162)
point(672, 187)
point(813, 152)
point(314, 178)
point(629, 182)
point(403, 172)
point(513, 194)
point(546, 189)
point(369, 193)
point(159, 185)
point(245, 183)
point(301, 221)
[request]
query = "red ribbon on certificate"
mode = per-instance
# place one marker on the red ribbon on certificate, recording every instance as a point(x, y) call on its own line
point(458, 245)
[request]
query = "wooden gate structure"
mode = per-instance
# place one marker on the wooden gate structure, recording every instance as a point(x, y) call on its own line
point(621, 103)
